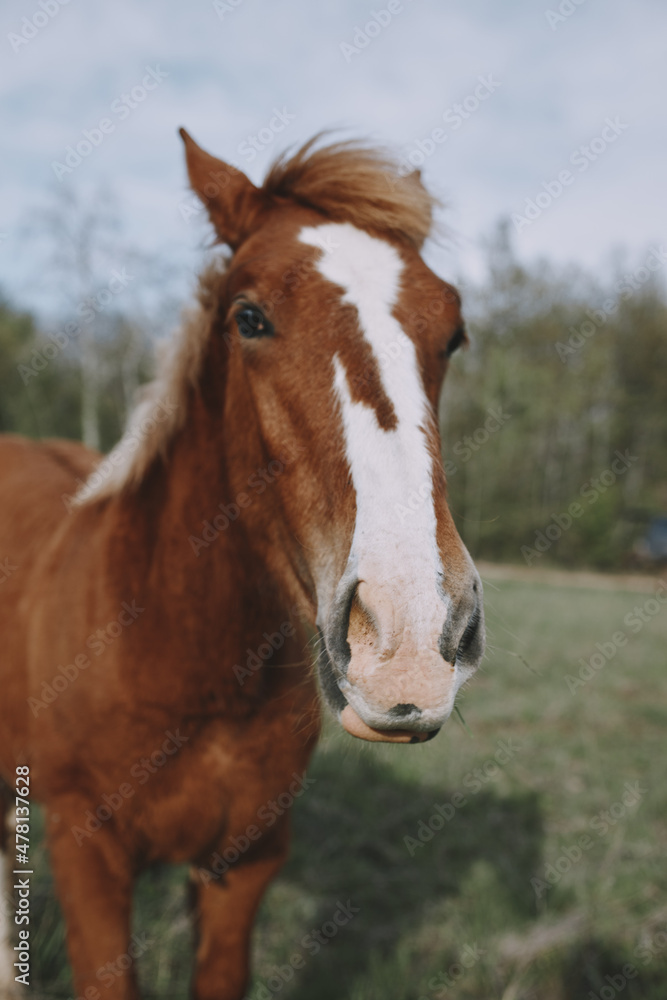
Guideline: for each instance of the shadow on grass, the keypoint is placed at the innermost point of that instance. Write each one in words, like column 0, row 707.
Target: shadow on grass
column 349, row 844
column 598, row 967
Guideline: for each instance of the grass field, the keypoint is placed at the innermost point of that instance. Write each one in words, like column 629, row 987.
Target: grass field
column 543, row 875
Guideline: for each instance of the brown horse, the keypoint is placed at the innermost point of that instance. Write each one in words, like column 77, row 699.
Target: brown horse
column 280, row 479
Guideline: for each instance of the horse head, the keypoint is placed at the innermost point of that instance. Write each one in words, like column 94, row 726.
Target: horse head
column 339, row 337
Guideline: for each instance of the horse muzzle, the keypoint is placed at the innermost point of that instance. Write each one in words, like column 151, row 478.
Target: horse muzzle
column 391, row 672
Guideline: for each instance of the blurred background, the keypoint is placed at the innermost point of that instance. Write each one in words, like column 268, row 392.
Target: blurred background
column 540, row 126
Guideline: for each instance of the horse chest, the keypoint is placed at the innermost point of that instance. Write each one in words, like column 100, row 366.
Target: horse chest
column 219, row 785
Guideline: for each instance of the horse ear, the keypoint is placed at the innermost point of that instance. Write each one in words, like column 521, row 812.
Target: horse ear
column 232, row 201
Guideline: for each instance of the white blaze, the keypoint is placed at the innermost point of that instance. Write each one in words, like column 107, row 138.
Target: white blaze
column 394, row 544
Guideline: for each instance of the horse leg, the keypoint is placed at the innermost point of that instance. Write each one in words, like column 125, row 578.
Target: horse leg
column 226, row 908
column 94, row 879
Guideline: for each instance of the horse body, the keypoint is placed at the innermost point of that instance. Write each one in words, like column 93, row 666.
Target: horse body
column 30, row 472
column 116, row 797
column 155, row 671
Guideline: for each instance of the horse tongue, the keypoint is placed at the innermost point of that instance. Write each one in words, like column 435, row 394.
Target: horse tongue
column 355, row 726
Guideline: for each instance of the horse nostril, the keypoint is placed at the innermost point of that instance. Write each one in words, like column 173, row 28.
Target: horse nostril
column 471, row 633
column 400, row 711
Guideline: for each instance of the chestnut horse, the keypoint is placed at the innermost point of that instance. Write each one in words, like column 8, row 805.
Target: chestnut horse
column 280, row 480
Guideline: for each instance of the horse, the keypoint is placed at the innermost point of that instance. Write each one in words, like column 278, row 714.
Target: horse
column 279, row 487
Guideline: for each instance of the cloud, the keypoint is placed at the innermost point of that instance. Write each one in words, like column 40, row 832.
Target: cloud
column 226, row 74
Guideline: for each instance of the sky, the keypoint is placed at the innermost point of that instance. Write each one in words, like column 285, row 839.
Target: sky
column 548, row 113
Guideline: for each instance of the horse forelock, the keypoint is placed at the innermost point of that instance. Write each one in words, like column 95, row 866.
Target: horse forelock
column 353, row 182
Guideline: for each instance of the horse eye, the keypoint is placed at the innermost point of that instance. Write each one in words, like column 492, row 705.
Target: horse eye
column 252, row 322
column 458, row 338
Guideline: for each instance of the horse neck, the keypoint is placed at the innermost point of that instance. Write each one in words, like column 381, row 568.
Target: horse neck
column 213, row 582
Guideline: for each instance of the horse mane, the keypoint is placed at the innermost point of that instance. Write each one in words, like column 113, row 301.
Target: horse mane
column 344, row 181
column 161, row 406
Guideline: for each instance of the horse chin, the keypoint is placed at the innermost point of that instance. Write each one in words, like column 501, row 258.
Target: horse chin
column 355, row 726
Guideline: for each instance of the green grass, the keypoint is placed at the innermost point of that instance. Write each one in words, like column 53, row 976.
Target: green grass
column 465, row 896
